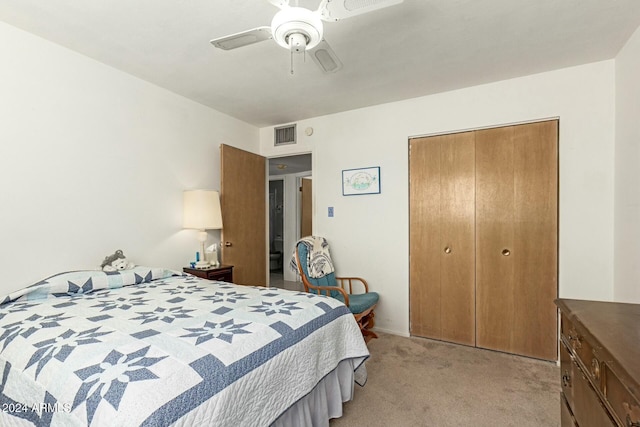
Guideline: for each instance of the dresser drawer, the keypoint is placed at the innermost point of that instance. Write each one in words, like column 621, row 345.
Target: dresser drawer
column 583, row 350
column 587, row 407
column 566, row 417
column 581, row 398
column 624, row 406
column 600, row 363
column 566, row 375
column 223, row 275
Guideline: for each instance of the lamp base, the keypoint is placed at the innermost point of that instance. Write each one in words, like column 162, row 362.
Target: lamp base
column 202, row 265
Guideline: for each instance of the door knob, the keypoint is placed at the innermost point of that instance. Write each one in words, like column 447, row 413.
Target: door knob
column 447, row 250
column 506, row 252
column 227, row 244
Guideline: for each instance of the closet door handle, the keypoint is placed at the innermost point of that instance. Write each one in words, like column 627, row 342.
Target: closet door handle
column 447, row 250
column 506, row 252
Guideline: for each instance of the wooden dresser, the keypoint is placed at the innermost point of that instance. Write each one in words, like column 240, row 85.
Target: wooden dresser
column 599, row 363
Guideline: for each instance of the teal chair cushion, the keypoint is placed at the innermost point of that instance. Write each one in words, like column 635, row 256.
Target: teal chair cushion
column 360, row 302
column 357, row 302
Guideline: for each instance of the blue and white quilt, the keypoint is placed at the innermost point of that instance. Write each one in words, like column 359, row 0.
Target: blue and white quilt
column 153, row 347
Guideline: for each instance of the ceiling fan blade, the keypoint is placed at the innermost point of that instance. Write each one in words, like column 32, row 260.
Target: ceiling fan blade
column 325, row 58
column 279, row 3
column 334, row 10
column 244, row 38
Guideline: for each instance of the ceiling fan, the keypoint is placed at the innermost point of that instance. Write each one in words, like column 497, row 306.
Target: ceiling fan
column 300, row 30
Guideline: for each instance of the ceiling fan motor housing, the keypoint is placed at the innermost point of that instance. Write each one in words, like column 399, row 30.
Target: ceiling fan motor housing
column 291, row 22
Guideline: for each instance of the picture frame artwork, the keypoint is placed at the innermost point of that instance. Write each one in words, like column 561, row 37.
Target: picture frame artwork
column 361, row 181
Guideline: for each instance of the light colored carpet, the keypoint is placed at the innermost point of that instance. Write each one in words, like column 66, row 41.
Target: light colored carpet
column 276, row 280
column 421, row 382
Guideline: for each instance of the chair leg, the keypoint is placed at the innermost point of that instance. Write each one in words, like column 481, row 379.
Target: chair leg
column 368, row 335
column 371, row 322
column 366, row 322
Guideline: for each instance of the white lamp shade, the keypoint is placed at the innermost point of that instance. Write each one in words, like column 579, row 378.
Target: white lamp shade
column 202, row 210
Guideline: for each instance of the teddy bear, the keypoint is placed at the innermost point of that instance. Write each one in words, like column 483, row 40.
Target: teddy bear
column 116, row 261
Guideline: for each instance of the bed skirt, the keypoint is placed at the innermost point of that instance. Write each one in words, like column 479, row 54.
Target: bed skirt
column 324, row 401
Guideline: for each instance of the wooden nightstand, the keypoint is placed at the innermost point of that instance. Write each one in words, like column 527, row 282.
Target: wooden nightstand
column 223, row 273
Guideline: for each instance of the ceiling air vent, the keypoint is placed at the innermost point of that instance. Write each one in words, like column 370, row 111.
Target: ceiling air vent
column 284, row 135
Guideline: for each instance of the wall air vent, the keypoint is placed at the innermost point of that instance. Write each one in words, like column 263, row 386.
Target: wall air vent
column 284, row 135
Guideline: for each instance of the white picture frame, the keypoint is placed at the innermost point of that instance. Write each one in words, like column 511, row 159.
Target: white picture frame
column 361, row 181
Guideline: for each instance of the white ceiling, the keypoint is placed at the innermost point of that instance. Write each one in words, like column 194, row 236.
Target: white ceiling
column 416, row 48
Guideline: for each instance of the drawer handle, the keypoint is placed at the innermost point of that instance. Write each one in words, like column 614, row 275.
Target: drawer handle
column 632, row 423
column 566, row 379
column 629, row 410
column 595, row 369
column 447, row 250
column 575, row 340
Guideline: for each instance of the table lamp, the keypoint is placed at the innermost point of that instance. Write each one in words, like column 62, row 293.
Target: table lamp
column 202, row 212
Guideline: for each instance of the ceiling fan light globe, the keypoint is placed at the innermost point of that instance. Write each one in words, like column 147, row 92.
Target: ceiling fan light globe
column 297, row 20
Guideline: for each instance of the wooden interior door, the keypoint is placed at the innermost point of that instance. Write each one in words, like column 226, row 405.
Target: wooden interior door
column 442, row 258
column 516, row 239
column 306, row 207
column 244, row 215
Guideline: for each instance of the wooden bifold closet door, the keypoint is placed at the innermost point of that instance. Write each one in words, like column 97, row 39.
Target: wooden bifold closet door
column 498, row 189
column 442, row 209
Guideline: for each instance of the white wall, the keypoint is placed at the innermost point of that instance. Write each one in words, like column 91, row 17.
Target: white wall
column 369, row 235
column 93, row 160
column 627, row 173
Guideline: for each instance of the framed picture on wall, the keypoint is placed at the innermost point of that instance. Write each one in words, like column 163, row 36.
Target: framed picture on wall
column 361, row 181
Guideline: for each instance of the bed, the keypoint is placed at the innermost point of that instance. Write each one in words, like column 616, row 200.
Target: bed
column 150, row 346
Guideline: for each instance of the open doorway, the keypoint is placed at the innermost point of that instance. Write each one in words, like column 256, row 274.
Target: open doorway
column 276, row 225
column 285, row 216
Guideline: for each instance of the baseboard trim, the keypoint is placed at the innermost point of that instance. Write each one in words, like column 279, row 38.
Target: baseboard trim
column 392, row 332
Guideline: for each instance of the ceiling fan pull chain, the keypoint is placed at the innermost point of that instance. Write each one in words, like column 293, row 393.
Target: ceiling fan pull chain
column 291, row 53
